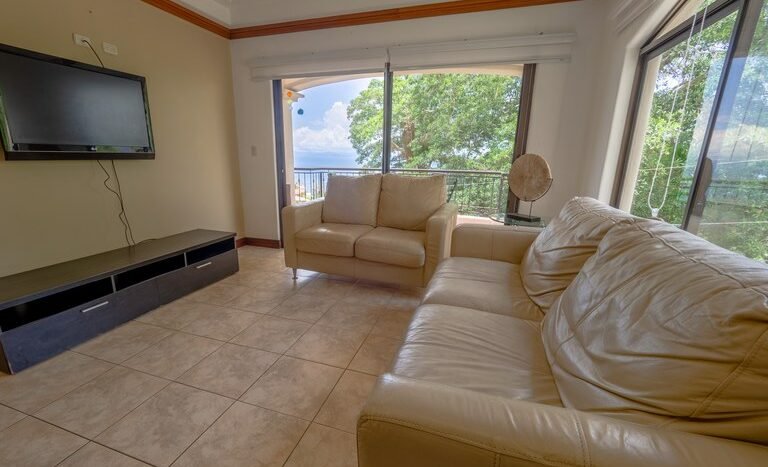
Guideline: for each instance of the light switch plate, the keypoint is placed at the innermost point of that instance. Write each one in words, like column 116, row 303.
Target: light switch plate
column 109, row 48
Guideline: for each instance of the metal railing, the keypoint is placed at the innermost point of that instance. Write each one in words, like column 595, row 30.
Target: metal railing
column 476, row 192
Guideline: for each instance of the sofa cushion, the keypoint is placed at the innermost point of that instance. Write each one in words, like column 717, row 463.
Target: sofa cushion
column 492, row 286
column 392, row 246
column 407, row 202
column 663, row 327
column 559, row 252
column 478, row 351
column 331, row 239
column 352, row 200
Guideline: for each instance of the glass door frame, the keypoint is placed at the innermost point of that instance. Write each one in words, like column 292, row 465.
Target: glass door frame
column 741, row 38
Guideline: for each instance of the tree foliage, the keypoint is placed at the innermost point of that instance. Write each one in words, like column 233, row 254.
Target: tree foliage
column 445, row 121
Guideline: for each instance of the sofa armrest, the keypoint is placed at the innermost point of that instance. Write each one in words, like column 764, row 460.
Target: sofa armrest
column 496, row 242
column 438, row 237
column 407, row 422
column 296, row 218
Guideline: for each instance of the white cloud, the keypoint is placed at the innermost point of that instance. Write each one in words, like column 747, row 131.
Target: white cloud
column 333, row 136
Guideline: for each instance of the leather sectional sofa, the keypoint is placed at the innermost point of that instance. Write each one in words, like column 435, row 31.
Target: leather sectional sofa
column 389, row 228
column 605, row 340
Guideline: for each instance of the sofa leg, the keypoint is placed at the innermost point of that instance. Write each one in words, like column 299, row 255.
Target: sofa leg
column 294, row 274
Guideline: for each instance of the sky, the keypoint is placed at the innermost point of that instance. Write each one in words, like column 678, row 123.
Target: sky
column 321, row 134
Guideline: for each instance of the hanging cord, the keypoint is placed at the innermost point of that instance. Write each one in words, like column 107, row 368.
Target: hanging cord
column 127, row 230
column 655, row 211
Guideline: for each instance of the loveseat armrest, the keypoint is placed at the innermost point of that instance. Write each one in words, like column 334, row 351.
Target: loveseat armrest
column 408, row 422
column 496, row 242
column 438, row 237
column 296, row 218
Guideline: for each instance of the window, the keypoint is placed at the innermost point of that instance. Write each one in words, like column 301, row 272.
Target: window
column 460, row 122
column 698, row 153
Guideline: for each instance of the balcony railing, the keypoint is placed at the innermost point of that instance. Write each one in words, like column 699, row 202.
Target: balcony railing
column 476, row 192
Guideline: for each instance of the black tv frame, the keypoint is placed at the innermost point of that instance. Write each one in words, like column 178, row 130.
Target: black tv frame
column 17, row 152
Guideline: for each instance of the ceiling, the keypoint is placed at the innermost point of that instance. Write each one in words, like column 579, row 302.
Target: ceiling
column 241, row 13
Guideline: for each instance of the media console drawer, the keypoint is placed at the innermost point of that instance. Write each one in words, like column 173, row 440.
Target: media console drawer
column 196, row 276
column 47, row 311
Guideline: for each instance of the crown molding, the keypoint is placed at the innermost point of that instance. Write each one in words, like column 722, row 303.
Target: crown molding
column 627, row 11
column 352, row 19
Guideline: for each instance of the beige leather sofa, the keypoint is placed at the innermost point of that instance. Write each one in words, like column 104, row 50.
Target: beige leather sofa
column 606, row 340
column 388, row 228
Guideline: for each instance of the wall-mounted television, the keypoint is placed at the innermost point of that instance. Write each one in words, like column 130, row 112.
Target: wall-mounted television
column 54, row 108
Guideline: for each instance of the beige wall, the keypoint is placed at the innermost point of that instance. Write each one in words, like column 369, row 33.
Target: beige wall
column 51, row 211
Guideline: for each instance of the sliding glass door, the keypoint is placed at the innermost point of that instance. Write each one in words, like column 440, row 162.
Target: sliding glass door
column 460, row 122
column 696, row 156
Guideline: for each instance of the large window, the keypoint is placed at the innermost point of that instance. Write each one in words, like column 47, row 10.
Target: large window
column 460, row 122
column 698, row 153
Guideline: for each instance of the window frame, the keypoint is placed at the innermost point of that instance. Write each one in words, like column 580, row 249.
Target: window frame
column 654, row 47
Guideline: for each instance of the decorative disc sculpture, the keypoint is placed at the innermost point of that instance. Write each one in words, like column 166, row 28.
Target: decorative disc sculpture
column 530, row 178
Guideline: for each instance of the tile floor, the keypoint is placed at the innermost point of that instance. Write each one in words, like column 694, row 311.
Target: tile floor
column 254, row 370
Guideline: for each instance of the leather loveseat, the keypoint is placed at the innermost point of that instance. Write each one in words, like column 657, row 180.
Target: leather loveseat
column 389, row 228
column 604, row 340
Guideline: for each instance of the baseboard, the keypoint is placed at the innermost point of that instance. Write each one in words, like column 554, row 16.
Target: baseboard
column 262, row 242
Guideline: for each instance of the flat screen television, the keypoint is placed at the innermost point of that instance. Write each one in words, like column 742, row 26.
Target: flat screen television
column 54, row 108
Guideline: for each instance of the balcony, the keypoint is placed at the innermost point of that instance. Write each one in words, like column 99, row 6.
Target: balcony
column 477, row 193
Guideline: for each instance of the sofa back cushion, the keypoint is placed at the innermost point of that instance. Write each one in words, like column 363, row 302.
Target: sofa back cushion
column 562, row 248
column 662, row 327
column 407, row 202
column 352, row 200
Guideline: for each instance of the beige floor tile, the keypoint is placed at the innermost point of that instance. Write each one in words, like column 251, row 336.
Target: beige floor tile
column 272, row 334
column 284, row 281
column 245, row 436
column 33, row 443
column 260, row 300
column 328, row 288
column 393, row 324
column 95, row 455
column 352, row 315
column 174, row 355
column 218, row 294
column 159, row 430
column 346, row 401
column 8, row 417
column 375, row 355
column 221, row 323
column 122, row 343
column 304, row 307
column 95, row 406
column 338, row 277
column 322, row 446
column 230, row 370
column 294, row 387
column 42, row 384
column 176, row 315
column 332, row 346
column 406, row 302
column 369, row 294
column 248, row 276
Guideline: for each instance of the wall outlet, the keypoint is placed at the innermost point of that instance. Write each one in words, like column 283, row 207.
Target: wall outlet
column 109, row 48
column 81, row 40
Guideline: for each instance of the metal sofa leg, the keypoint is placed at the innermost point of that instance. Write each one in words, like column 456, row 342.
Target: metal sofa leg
column 294, row 274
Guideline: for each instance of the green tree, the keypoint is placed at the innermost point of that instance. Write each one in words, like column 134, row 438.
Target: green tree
column 439, row 121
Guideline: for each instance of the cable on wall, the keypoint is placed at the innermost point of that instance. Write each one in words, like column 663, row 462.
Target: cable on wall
column 123, row 216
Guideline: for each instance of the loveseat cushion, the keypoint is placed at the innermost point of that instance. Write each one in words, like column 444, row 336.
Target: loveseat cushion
column 481, row 284
column 352, row 200
column 562, row 248
column 484, row 352
column 331, row 239
column 407, row 202
column 662, row 327
column 392, row 246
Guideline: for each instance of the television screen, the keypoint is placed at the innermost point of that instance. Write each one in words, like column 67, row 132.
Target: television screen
column 53, row 108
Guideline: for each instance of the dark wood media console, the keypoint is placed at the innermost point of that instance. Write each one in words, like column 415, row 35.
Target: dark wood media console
column 46, row 311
